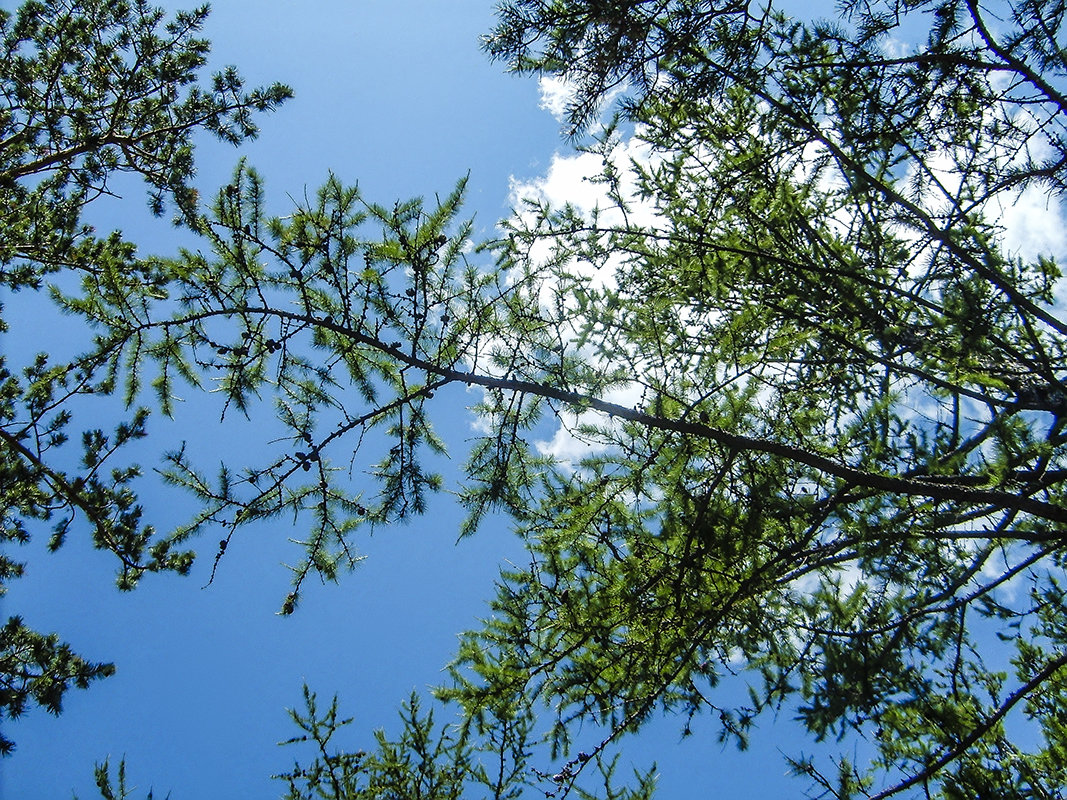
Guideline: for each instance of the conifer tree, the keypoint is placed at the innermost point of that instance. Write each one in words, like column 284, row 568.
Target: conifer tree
column 822, row 399
column 90, row 90
column 843, row 475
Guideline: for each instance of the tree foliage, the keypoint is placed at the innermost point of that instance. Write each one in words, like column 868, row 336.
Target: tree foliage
column 857, row 387
column 90, row 90
column 821, row 399
column 117, row 790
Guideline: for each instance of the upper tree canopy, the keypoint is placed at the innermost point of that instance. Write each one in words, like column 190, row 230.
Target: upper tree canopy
column 89, row 89
column 820, row 390
column 843, row 474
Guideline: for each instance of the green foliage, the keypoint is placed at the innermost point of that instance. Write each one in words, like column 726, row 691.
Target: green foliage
column 351, row 333
column 91, row 90
column 820, row 405
column 854, row 388
column 38, row 669
column 423, row 762
column 487, row 756
column 110, row 791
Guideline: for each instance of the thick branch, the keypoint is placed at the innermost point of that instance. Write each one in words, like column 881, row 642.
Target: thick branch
column 927, row 487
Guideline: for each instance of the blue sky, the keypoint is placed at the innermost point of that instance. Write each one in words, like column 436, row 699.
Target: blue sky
column 397, row 96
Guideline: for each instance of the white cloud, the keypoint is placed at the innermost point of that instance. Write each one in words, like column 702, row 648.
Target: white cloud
column 1034, row 225
column 571, row 179
column 556, row 93
column 568, row 446
column 574, row 180
column 567, row 181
